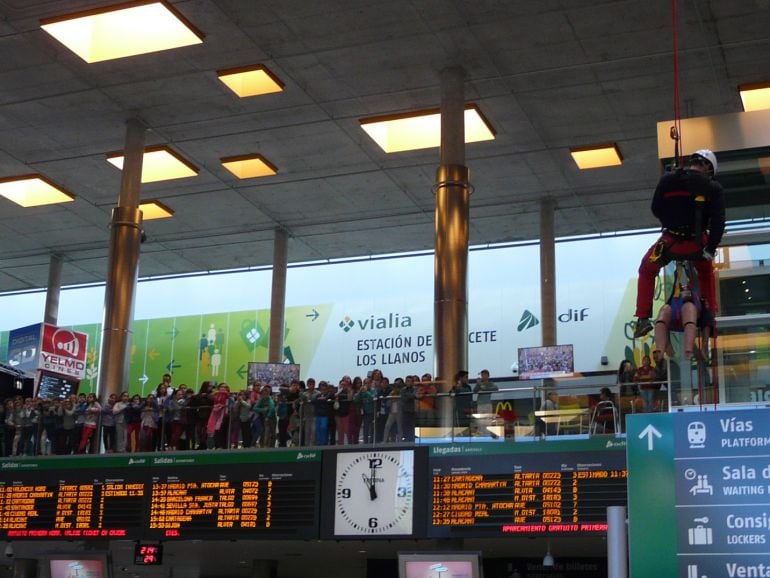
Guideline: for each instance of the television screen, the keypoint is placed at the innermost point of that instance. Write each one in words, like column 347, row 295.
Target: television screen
column 439, row 565
column 273, row 374
column 546, row 362
column 78, row 567
column 52, row 386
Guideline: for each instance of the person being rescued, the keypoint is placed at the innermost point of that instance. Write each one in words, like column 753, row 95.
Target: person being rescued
column 686, row 311
column 690, row 206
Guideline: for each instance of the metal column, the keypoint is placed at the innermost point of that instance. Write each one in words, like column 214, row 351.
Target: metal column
column 617, row 542
column 51, row 314
column 547, row 272
column 278, row 297
column 450, row 306
column 122, row 268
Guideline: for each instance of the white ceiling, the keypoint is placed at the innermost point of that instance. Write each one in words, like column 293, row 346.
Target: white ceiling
column 548, row 75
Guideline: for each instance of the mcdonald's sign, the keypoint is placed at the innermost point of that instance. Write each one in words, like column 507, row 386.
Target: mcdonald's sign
column 504, row 410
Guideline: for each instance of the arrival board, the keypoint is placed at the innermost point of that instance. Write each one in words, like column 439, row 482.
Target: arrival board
column 223, row 495
column 484, row 490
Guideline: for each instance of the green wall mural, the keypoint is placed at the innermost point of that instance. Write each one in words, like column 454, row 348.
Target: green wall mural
column 195, row 348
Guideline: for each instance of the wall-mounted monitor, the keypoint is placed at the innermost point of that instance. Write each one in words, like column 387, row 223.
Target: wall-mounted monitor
column 439, row 565
column 546, row 362
column 53, row 386
column 273, row 374
column 79, row 566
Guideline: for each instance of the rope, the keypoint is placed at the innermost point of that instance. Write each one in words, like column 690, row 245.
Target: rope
column 676, row 130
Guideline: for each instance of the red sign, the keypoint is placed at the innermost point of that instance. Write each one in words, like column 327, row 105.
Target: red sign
column 63, row 351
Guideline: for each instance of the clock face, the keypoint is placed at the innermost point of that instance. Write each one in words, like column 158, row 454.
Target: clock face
column 375, row 493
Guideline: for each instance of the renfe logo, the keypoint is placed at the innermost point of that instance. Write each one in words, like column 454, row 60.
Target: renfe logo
column 63, row 351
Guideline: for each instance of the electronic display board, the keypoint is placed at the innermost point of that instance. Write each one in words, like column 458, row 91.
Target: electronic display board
column 52, row 386
column 560, row 487
column 222, row 495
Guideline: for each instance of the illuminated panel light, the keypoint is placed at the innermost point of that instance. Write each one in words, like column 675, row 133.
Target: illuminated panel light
column 154, row 209
column 250, row 80
column 33, row 191
column 422, row 129
column 595, row 157
column 121, row 30
column 159, row 164
column 249, row 166
column 755, row 96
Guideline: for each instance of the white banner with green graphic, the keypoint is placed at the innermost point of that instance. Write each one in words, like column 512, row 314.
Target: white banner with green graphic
column 349, row 318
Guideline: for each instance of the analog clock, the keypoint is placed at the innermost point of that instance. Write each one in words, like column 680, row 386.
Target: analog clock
column 374, row 493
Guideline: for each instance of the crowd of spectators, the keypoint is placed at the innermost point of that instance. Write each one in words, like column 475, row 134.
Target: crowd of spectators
column 355, row 410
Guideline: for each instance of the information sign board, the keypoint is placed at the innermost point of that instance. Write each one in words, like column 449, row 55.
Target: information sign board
column 227, row 495
column 480, row 490
column 699, row 494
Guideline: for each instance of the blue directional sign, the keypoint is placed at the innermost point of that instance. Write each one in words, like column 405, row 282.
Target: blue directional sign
column 699, row 494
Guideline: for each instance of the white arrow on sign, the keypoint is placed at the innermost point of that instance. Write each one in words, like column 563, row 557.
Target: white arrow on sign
column 144, row 379
column 651, row 433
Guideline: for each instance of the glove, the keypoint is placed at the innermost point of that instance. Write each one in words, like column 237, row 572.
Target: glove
column 707, row 256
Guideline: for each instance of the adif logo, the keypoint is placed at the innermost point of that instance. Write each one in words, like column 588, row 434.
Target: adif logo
column 527, row 321
column 65, row 343
column 347, row 324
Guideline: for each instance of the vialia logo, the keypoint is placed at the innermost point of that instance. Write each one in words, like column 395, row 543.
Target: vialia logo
column 391, row 321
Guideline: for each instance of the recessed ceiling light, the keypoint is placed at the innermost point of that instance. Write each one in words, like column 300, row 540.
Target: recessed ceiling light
column 159, row 163
column 121, row 30
column 422, row 129
column 250, row 80
column 154, row 209
column 597, row 156
column 755, row 96
column 249, row 166
column 33, row 191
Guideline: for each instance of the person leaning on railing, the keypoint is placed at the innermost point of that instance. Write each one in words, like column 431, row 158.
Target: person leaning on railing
column 645, row 377
column 426, row 401
column 365, row 398
column 407, row 408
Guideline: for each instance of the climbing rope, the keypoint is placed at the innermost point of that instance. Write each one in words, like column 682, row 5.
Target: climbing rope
column 676, row 130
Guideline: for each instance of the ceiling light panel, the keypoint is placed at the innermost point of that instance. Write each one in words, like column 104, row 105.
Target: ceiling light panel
column 159, row 164
column 33, row 191
column 422, row 129
column 755, row 96
column 154, row 209
column 122, row 30
column 597, row 156
column 250, row 80
column 249, row 166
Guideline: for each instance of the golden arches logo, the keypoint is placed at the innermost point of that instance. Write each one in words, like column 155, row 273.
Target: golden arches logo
column 503, row 406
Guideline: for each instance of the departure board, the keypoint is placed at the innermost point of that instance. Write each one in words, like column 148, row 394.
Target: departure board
column 480, row 490
column 222, row 495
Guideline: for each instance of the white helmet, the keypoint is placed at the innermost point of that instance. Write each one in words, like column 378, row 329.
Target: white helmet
column 708, row 156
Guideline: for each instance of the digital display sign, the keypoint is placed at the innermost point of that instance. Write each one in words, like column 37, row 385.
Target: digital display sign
column 224, row 495
column 148, row 554
column 480, row 490
column 53, row 386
